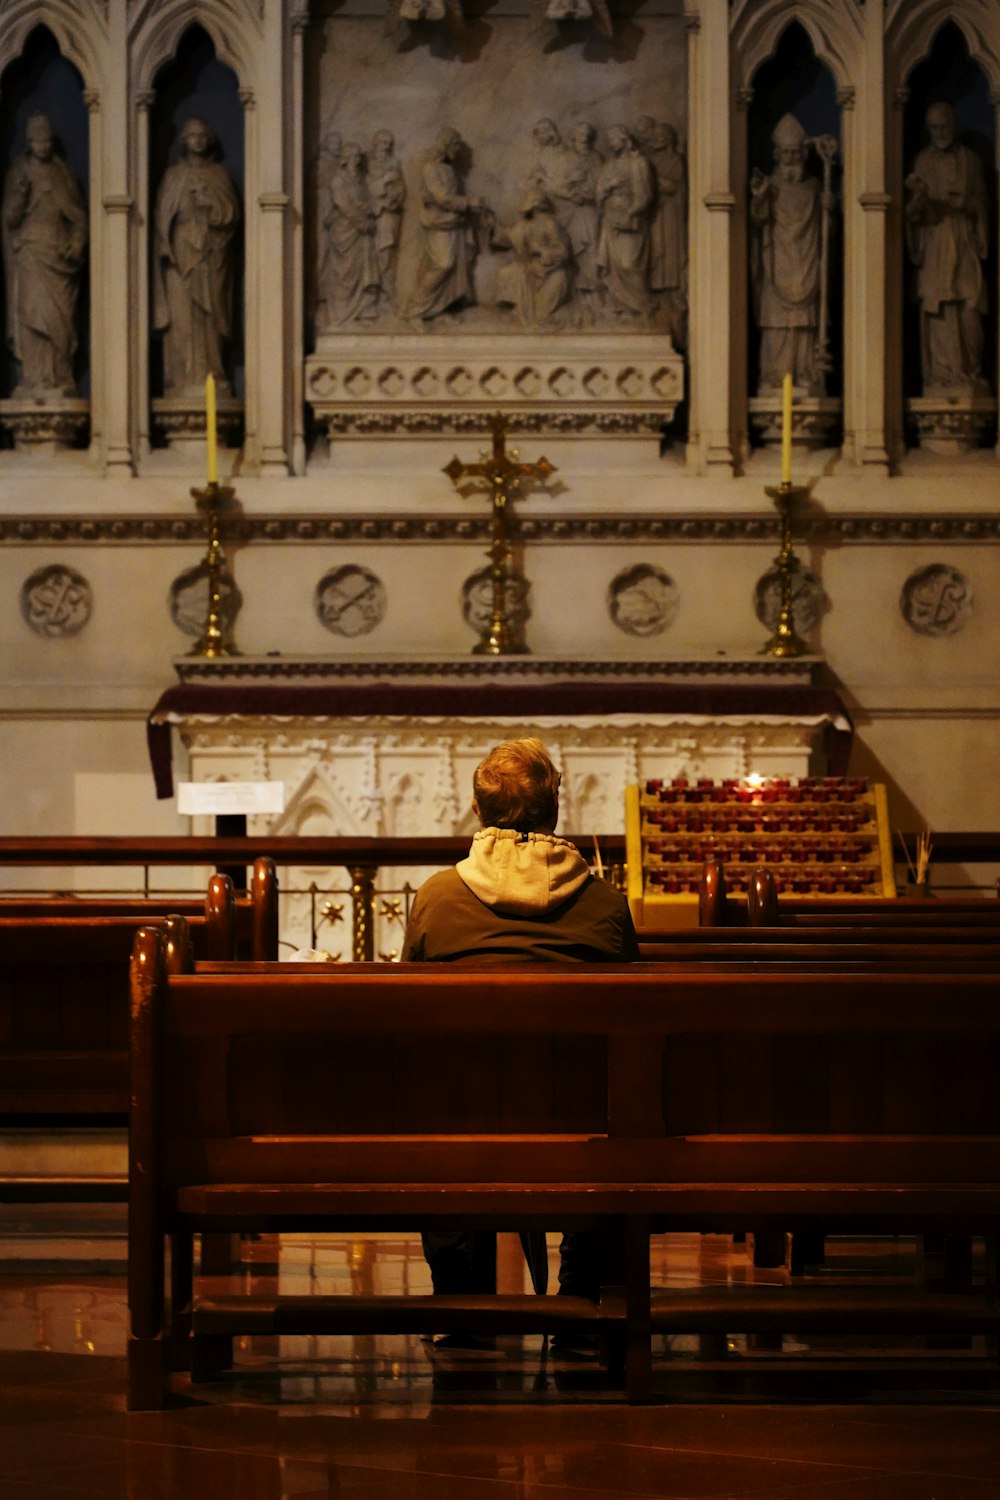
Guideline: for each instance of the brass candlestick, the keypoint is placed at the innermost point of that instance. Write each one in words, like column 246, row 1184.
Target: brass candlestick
column 785, row 641
column 214, row 640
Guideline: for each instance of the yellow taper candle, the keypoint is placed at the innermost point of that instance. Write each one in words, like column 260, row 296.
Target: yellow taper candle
column 213, row 454
column 786, row 430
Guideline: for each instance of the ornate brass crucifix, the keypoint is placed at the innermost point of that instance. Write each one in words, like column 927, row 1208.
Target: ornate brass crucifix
column 503, row 477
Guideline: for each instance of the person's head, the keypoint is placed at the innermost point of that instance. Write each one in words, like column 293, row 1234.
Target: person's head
column 197, row 138
column 351, row 158
column 941, row 125
column 447, row 143
column 41, row 141
column 535, row 202
column 517, row 786
column 664, row 136
column 620, row 139
column 789, row 148
column 382, row 143
column 582, row 137
column 545, row 133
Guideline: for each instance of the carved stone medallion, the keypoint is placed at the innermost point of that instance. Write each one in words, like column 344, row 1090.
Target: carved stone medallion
column 189, row 600
column 808, row 598
column 477, row 599
column 350, row 600
column 56, row 601
column 643, row 600
column 936, row 600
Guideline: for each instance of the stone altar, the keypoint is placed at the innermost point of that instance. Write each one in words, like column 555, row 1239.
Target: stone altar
column 387, row 748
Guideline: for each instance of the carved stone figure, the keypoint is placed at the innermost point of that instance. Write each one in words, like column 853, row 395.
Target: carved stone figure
column 197, row 213
column 44, row 237
column 536, row 282
column 625, row 192
column 550, row 154
column 442, row 276
column 786, row 214
column 668, row 229
column 387, row 193
column 349, row 274
column 422, row 10
column 948, row 238
column 576, row 207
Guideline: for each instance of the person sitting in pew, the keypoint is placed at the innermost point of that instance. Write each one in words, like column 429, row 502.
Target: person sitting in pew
column 521, row 895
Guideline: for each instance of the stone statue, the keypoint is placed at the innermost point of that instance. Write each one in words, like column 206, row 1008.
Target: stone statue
column 625, row 193
column 349, row 273
column 44, row 238
column 197, row 213
column 668, row 229
column 786, row 211
column 576, row 207
column 536, row 282
column 446, row 244
column 550, row 155
column 387, row 193
column 947, row 239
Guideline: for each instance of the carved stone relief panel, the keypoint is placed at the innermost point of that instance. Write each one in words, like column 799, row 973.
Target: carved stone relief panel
column 56, row 601
column 188, row 600
column 808, row 598
column 643, row 600
column 350, row 600
column 936, row 600
column 442, row 204
column 408, row 777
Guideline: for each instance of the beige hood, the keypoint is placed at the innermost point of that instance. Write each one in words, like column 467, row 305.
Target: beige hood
column 523, row 874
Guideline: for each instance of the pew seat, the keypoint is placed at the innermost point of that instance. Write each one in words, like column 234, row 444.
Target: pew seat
column 310, row 1098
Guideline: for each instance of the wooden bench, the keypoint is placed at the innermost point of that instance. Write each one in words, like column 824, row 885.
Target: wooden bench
column 64, row 1014
column 300, row 1099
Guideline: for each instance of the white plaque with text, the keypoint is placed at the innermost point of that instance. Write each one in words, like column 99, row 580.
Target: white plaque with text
column 213, row 797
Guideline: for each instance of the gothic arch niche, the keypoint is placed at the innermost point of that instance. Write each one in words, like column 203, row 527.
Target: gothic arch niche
column 795, row 245
column 45, row 355
column 949, row 261
column 195, row 85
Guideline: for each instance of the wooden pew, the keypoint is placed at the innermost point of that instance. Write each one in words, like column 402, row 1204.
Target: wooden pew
column 64, row 1012
column 297, row 1099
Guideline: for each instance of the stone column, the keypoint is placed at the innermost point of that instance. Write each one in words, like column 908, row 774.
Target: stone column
column 110, row 371
column 296, row 244
column 254, row 294
column 140, row 306
column 712, row 202
column 995, row 101
column 866, row 203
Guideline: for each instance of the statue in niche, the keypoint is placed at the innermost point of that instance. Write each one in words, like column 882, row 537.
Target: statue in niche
column 349, row 278
column 947, row 239
column 668, row 229
column 536, row 282
column 575, row 200
column 787, row 211
column 197, row 213
column 44, row 239
column 625, row 194
column 387, row 192
column 446, row 240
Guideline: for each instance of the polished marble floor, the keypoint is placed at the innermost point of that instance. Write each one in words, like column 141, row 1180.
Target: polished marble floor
column 374, row 1417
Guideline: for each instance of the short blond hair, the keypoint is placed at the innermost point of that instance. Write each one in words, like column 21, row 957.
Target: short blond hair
column 517, row 786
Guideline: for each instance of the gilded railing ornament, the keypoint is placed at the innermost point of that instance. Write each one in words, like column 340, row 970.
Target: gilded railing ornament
column 786, row 641
column 503, row 477
column 216, row 638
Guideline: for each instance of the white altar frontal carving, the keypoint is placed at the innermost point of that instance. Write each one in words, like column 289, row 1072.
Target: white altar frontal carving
column 351, row 766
